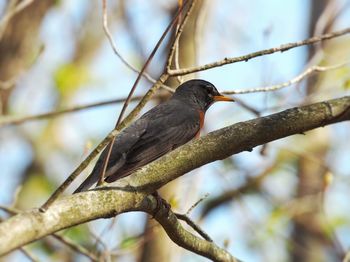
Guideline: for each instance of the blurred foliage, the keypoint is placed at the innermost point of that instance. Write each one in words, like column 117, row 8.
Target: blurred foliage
column 70, row 77
column 36, row 188
column 129, row 242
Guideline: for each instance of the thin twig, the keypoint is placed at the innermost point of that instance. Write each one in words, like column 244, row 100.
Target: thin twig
column 178, row 34
column 247, row 107
column 115, row 49
column 29, row 255
column 15, row 120
column 196, row 203
column 269, row 51
column 297, row 79
column 176, row 44
column 133, row 88
column 194, row 226
column 13, row 211
column 78, row 170
column 21, row 119
column 79, row 249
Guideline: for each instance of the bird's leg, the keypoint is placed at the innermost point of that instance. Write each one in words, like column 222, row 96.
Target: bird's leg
column 160, row 202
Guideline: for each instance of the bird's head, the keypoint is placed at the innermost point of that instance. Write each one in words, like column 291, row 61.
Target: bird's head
column 199, row 93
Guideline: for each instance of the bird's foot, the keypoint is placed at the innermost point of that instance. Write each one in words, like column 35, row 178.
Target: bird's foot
column 160, row 203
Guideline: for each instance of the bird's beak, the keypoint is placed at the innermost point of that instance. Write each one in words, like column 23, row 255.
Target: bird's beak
column 223, row 98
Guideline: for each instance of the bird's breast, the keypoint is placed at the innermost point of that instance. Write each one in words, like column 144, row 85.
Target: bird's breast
column 201, row 122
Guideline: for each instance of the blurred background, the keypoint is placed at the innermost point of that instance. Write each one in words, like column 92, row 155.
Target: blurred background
column 285, row 201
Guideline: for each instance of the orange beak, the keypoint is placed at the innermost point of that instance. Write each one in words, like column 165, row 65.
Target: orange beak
column 223, row 98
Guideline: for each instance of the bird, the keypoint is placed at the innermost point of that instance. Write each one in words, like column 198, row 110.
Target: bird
column 157, row 132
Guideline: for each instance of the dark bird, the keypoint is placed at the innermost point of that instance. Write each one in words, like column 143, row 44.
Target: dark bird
column 160, row 130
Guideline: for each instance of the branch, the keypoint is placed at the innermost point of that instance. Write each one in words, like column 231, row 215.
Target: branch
column 64, row 240
column 309, row 71
column 184, row 238
column 15, row 120
column 25, row 251
column 103, row 202
column 195, row 227
column 269, row 51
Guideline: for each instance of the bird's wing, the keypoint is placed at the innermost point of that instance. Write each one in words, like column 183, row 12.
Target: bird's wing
column 167, row 129
column 123, row 142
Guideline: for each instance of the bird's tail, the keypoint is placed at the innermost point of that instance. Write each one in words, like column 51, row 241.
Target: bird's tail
column 89, row 181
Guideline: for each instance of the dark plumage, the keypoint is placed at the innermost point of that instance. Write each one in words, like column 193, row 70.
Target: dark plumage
column 160, row 130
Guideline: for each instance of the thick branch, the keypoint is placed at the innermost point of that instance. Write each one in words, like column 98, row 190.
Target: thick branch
column 79, row 208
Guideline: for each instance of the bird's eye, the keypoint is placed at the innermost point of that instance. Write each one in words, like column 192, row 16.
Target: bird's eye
column 209, row 88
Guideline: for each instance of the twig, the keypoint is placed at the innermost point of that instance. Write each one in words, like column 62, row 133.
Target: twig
column 178, row 34
column 133, row 88
column 14, row 120
column 176, row 44
column 196, row 203
column 79, row 249
column 247, row 57
column 77, row 171
column 19, row 120
column 247, row 107
column 62, row 239
column 115, row 49
column 297, row 79
column 194, row 226
column 29, row 255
